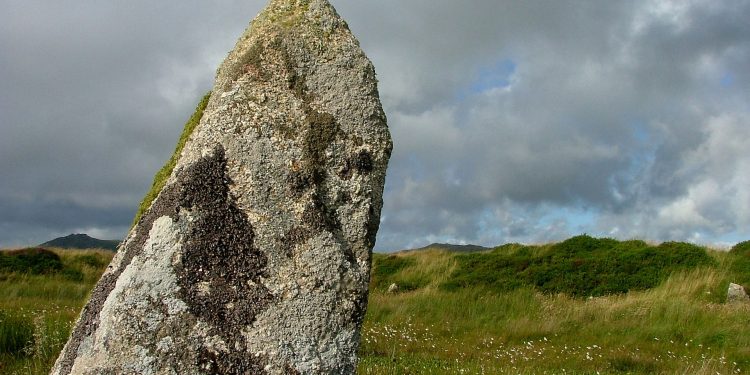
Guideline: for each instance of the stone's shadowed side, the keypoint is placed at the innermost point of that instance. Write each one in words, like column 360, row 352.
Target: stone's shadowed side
column 254, row 256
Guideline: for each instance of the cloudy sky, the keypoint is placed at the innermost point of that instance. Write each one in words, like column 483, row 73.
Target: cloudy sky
column 513, row 121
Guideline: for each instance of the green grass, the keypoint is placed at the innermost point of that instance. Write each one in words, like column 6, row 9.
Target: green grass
column 160, row 179
column 679, row 326
column 37, row 310
column 16, row 334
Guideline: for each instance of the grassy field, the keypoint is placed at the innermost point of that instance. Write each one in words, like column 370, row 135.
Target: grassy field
column 681, row 326
column 37, row 309
column 436, row 325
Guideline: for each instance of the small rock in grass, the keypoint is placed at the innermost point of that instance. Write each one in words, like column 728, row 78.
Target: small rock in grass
column 736, row 294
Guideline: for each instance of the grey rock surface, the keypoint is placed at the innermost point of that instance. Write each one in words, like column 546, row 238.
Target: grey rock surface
column 736, row 294
column 393, row 288
column 255, row 256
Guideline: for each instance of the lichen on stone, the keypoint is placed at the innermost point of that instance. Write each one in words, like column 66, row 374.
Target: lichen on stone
column 221, row 269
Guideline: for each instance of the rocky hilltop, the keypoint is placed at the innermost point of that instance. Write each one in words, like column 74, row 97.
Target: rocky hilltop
column 254, row 257
column 81, row 241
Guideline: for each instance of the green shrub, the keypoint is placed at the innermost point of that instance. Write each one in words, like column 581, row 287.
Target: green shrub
column 16, row 334
column 509, row 248
column 740, row 267
column 34, row 261
column 742, row 248
column 496, row 270
column 579, row 266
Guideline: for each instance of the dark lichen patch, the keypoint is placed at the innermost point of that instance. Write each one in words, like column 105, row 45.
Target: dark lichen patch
column 232, row 363
column 253, row 60
column 318, row 216
column 363, row 162
column 321, row 132
column 308, row 177
column 360, row 162
column 321, row 128
column 290, row 370
column 298, row 234
column 295, row 81
column 221, row 270
column 299, row 182
column 343, row 198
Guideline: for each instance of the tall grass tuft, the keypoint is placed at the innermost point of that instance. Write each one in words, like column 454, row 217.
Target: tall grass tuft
column 16, row 334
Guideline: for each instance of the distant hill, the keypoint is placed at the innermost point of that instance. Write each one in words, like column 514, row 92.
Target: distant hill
column 453, row 248
column 81, row 241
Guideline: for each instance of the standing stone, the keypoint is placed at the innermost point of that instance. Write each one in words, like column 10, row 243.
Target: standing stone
column 736, row 294
column 254, row 258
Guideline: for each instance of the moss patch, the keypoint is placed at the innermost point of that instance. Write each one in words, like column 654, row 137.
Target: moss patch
column 287, row 18
column 161, row 177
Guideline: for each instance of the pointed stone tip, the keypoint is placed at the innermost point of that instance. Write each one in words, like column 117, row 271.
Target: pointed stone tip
column 318, row 16
column 277, row 10
column 311, row 28
column 288, row 4
column 294, row 3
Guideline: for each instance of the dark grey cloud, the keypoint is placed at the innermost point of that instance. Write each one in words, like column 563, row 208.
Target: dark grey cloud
column 512, row 121
column 93, row 97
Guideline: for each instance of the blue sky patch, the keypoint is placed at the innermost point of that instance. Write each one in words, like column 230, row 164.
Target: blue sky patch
column 495, row 76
